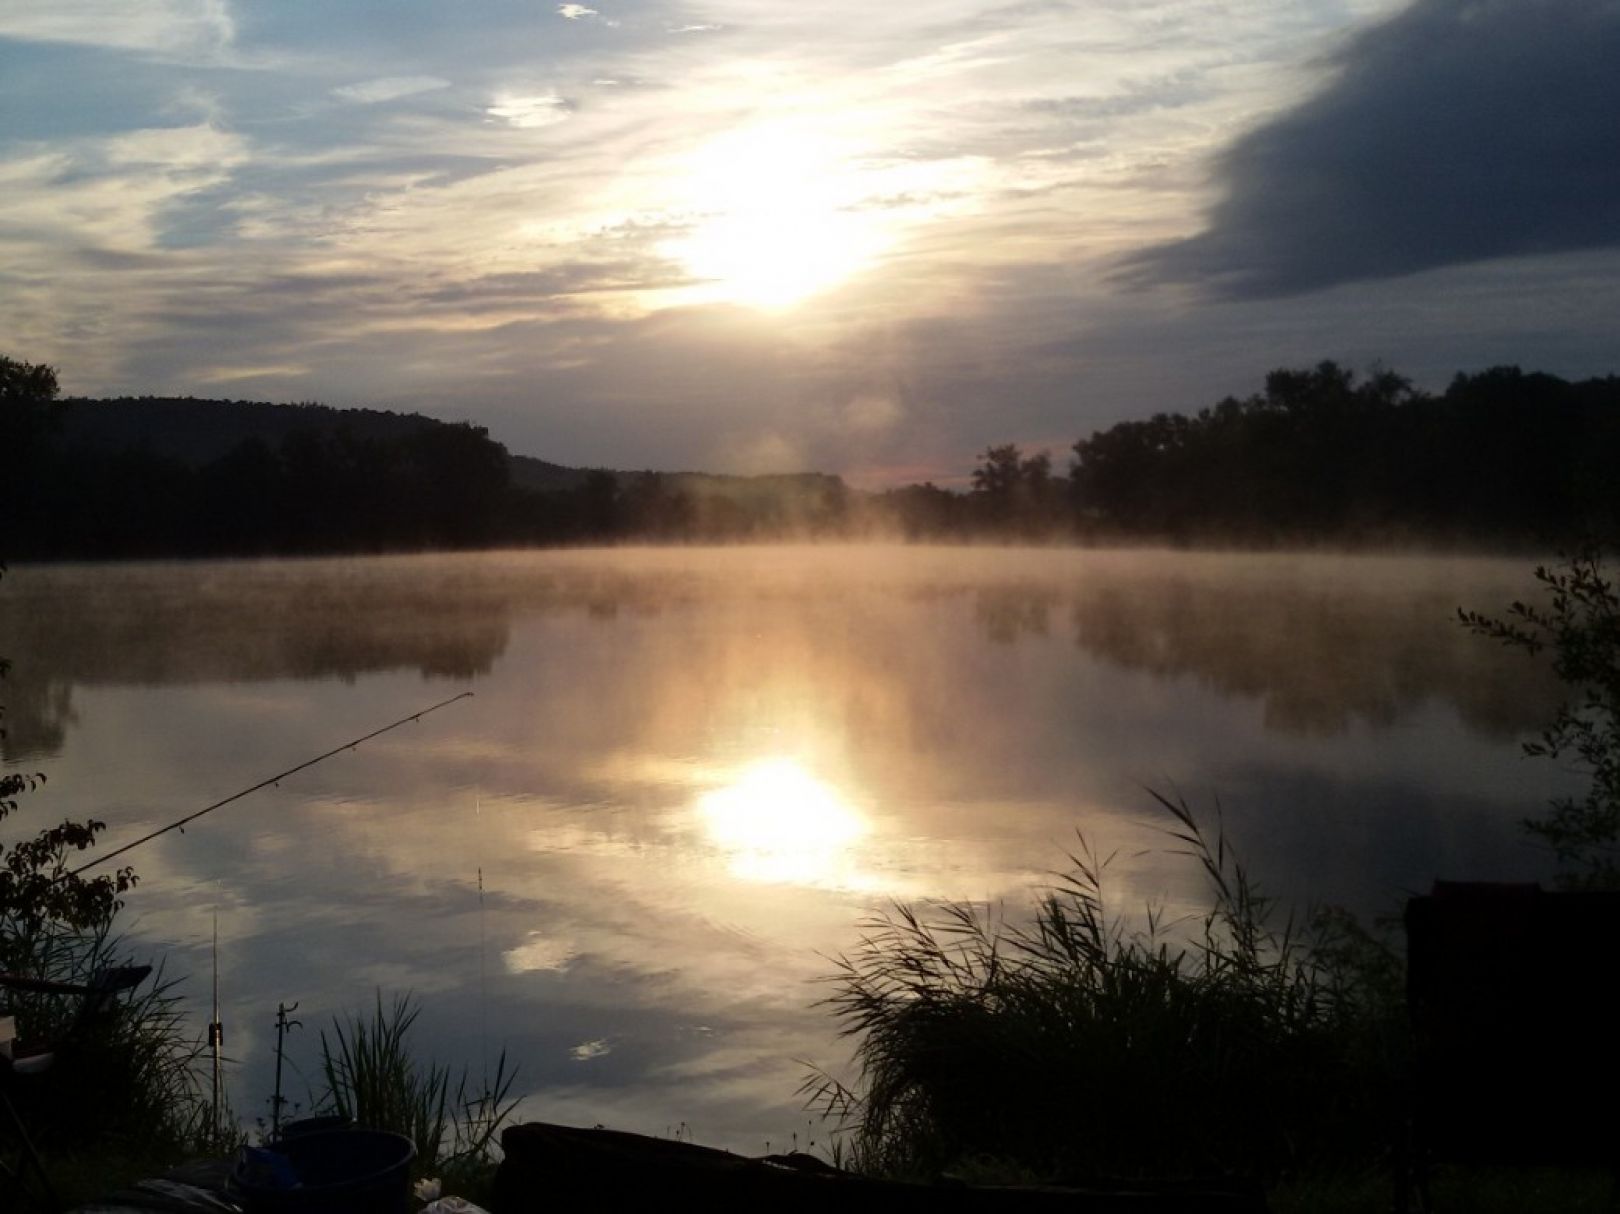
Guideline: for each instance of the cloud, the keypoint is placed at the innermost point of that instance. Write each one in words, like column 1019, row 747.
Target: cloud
column 528, row 112
column 539, row 952
column 110, row 195
column 1458, row 131
column 578, row 12
column 871, row 412
column 168, row 27
column 389, row 88
column 231, row 375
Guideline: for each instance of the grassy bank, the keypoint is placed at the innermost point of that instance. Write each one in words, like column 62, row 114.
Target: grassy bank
column 1085, row 1043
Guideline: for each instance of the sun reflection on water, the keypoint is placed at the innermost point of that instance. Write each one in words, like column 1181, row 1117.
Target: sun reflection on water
column 781, row 825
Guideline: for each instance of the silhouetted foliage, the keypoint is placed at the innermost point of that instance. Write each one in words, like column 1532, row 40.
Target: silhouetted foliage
column 1078, row 1044
column 36, row 886
column 342, row 482
column 1013, row 493
column 922, row 512
column 180, row 477
column 1502, row 455
column 1580, row 622
column 28, row 405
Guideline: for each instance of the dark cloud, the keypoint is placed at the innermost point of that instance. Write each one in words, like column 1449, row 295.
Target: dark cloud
column 1458, row 131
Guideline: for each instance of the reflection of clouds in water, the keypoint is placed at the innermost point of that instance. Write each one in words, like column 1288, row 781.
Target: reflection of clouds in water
column 539, row 953
column 680, row 810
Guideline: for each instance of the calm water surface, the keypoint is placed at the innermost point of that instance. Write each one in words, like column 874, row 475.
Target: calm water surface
column 687, row 775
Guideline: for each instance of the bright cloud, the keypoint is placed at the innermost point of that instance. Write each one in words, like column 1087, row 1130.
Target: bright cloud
column 530, row 111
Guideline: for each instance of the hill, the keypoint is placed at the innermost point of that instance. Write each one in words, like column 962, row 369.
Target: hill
column 181, row 476
column 543, row 476
column 197, row 431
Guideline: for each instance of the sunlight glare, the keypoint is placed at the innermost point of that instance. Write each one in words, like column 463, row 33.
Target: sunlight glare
column 782, row 825
column 780, row 218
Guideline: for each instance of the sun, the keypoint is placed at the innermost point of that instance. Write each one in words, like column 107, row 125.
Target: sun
column 781, row 824
column 776, row 216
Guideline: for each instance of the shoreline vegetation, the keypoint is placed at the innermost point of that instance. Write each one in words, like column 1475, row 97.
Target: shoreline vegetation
column 1086, row 1042
column 1503, row 460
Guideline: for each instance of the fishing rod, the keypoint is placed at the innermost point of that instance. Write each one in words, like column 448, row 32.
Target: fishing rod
column 180, row 823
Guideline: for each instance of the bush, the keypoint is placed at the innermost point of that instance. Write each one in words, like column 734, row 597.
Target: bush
column 1580, row 622
column 1077, row 1047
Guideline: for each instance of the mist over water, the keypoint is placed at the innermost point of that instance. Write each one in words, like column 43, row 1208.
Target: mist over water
column 687, row 774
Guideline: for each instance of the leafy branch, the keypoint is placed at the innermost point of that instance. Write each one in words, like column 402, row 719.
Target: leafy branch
column 1580, row 625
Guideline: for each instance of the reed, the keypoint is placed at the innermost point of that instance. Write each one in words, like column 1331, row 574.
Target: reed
column 134, row 1079
column 373, row 1079
column 1081, row 1044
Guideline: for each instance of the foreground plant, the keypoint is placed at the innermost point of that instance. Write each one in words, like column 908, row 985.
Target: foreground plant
column 1580, row 623
column 1077, row 1045
column 373, row 1079
column 130, row 1082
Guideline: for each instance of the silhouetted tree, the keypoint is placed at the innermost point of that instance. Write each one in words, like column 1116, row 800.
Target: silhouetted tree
column 36, row 886
column 1013, row 493
column 997, row 475
column 922, row 511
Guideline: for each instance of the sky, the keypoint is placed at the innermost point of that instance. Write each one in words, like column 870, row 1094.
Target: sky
column 755, row 236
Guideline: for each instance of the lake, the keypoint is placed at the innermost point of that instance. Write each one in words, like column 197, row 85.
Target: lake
column 686, row 776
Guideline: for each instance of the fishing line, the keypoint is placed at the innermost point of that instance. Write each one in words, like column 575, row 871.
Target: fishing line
column 180, row 823
column 483, row 978
column 216, row 1031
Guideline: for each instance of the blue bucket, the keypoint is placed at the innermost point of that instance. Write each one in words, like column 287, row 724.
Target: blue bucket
column 336, row 1171
column 314, row 1125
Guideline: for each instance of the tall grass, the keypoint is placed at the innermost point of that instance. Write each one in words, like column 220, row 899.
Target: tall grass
column 130, row 1080
column 1082, row 1044
column 373, row 1079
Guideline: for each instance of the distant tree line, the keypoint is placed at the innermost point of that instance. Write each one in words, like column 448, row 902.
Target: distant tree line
column 159, row 477
column 1320, row 455
column 1499, row 455
column 313, row 491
